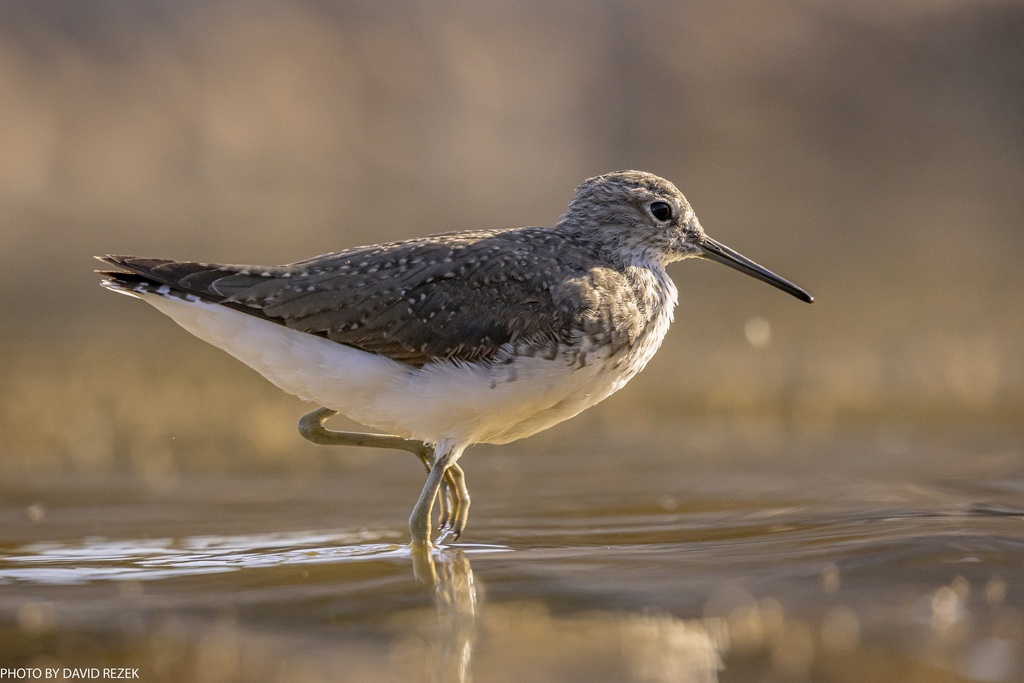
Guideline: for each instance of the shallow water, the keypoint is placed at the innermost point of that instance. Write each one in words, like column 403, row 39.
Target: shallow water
column 865, row 556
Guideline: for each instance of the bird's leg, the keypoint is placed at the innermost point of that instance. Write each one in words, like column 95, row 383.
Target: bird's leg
column 445, row 455
column 453, row 523
column 452, row 491
column 311, row 426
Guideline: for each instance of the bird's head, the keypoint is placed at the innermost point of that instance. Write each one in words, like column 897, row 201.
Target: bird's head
column 639, row 218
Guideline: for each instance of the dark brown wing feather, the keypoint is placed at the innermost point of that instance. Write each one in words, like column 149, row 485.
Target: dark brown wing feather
column 458, row 296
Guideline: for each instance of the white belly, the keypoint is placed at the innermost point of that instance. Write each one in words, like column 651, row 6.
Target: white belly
column 468, row 403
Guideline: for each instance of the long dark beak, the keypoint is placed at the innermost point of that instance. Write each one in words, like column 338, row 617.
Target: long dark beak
column 716, row 251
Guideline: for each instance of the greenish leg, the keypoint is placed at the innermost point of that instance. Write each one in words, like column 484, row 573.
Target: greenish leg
column 451, row 487
column 445, row 455
column 453, row 524
column 311, row 426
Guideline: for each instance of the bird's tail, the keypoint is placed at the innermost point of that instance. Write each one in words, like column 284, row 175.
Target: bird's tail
column 164, row 277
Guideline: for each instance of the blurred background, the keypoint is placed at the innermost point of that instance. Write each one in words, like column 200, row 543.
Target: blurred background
column 787, row 493
column 872, row 152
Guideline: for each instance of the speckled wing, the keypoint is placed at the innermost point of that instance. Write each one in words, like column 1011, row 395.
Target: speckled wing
column 458, row 296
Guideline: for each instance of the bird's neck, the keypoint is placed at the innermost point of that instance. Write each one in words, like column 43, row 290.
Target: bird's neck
column 654, row 288
column 618, row 247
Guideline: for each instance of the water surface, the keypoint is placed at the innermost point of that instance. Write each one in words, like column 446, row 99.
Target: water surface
column 826, row 558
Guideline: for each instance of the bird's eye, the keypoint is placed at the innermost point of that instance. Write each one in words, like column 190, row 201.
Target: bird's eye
column 661, row 210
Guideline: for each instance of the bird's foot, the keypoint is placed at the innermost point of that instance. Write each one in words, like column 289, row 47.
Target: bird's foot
column 448, row 534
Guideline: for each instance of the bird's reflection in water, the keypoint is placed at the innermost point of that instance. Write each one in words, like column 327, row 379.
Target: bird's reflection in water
column 448, row 574
column 647, row 647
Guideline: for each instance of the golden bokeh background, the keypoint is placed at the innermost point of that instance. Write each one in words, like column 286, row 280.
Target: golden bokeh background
column 872, row 152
